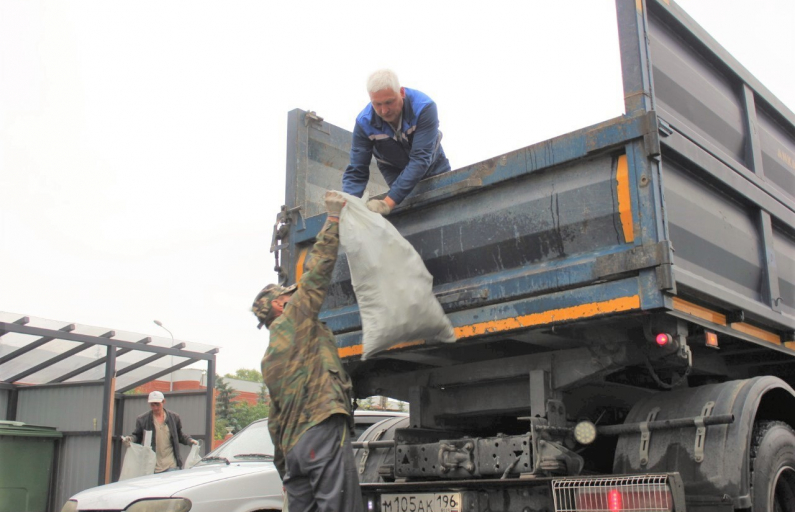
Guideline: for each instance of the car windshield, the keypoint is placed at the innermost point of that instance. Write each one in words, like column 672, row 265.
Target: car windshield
column 253, row 443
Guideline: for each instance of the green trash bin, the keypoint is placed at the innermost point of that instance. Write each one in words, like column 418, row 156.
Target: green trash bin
column 27, row 453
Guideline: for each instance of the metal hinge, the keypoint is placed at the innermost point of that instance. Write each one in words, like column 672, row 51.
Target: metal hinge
column 281, row 230
column 651, row 139
column 311, row 119
column 666, row 280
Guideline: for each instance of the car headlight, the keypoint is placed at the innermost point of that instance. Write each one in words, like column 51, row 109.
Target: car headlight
column 160, row 505
column 69, row 506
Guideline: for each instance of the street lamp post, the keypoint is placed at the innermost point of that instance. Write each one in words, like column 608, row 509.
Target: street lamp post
column 170, row 375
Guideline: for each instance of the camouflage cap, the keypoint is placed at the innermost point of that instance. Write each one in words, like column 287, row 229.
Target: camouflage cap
column 262, row 302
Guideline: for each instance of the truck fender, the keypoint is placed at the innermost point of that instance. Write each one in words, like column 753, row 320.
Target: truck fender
column 719, row 469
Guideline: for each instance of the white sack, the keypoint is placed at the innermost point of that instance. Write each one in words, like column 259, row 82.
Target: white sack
column 138, row 461
column 193, row 458
column 392, row 285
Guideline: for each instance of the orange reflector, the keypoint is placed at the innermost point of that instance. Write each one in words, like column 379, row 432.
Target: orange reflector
column 711, row 339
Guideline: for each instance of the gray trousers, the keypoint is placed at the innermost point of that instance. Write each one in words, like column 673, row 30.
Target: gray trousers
column 320, row 473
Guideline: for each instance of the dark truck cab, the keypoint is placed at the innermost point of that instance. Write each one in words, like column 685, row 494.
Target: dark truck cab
column 623, row 298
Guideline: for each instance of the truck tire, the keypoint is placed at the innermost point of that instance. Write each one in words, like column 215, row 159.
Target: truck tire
column 773, row 467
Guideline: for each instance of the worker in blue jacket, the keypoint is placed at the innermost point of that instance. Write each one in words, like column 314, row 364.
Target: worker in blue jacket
column 400, row 128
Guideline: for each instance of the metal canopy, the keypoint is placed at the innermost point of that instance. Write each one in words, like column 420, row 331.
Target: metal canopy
column 42, row 353
column 36, row 351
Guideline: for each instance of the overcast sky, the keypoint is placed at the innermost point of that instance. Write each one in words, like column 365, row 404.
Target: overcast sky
column 142, row 144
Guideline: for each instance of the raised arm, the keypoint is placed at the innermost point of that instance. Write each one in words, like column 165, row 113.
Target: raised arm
column 313, row 285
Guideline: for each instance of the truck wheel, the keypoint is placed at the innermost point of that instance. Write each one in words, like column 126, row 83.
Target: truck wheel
column 773, row 467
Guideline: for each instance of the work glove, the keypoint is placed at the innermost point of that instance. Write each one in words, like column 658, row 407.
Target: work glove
column 127, row 440
column 334, row 203
column 379, row 206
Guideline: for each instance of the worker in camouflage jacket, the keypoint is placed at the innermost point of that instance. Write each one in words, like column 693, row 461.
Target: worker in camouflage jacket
column 310, row 418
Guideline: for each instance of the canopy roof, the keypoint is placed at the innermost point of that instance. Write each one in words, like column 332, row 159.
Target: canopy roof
column 39, row 351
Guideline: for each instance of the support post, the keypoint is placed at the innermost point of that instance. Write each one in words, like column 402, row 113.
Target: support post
column 108, row 402
column 753, row 159
column 118, row 431
column 210, row 406
column 635, row 65
column 11, row 407
column 539, row 393
column 418, row 407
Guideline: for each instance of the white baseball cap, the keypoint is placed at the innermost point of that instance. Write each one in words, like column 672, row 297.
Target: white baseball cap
column 156, row 397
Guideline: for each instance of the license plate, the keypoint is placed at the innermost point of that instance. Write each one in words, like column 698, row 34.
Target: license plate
column 422, row 502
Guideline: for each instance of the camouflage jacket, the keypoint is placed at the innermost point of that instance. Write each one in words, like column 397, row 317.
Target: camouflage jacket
column 301, row 367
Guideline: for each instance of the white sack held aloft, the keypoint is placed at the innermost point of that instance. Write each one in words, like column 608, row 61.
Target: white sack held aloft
column 393, row 288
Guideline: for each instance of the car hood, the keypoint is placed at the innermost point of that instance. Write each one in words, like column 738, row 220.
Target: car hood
column 173, row 483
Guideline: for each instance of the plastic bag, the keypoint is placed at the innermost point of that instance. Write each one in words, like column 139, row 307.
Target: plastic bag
column 193, row 458
column 392, row 286
column 138, row 461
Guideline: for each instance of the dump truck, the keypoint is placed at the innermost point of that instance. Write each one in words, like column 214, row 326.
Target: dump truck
column 623, row 298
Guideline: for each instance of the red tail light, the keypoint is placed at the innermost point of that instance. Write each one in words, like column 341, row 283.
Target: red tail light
column 614, row 500
column 663, row 339
column 626, row 493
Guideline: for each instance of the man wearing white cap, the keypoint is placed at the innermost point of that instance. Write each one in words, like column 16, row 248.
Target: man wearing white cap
column 166, row 428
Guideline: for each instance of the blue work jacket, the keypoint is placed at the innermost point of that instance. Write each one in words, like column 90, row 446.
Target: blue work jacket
column 416, row 154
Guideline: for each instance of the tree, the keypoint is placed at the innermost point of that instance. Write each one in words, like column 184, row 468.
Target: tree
column 223, row 400
column 246, row 374
column 244, row 414
column 263, row 397
column 366, row 403
column 220, row 428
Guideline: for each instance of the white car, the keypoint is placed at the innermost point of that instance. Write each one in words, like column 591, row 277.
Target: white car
column 239, row 476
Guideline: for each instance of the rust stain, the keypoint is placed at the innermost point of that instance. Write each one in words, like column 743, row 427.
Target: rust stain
column 485, row 168
column 624, row 203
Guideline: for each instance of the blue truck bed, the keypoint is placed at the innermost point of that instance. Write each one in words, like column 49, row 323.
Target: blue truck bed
column 682, row 207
